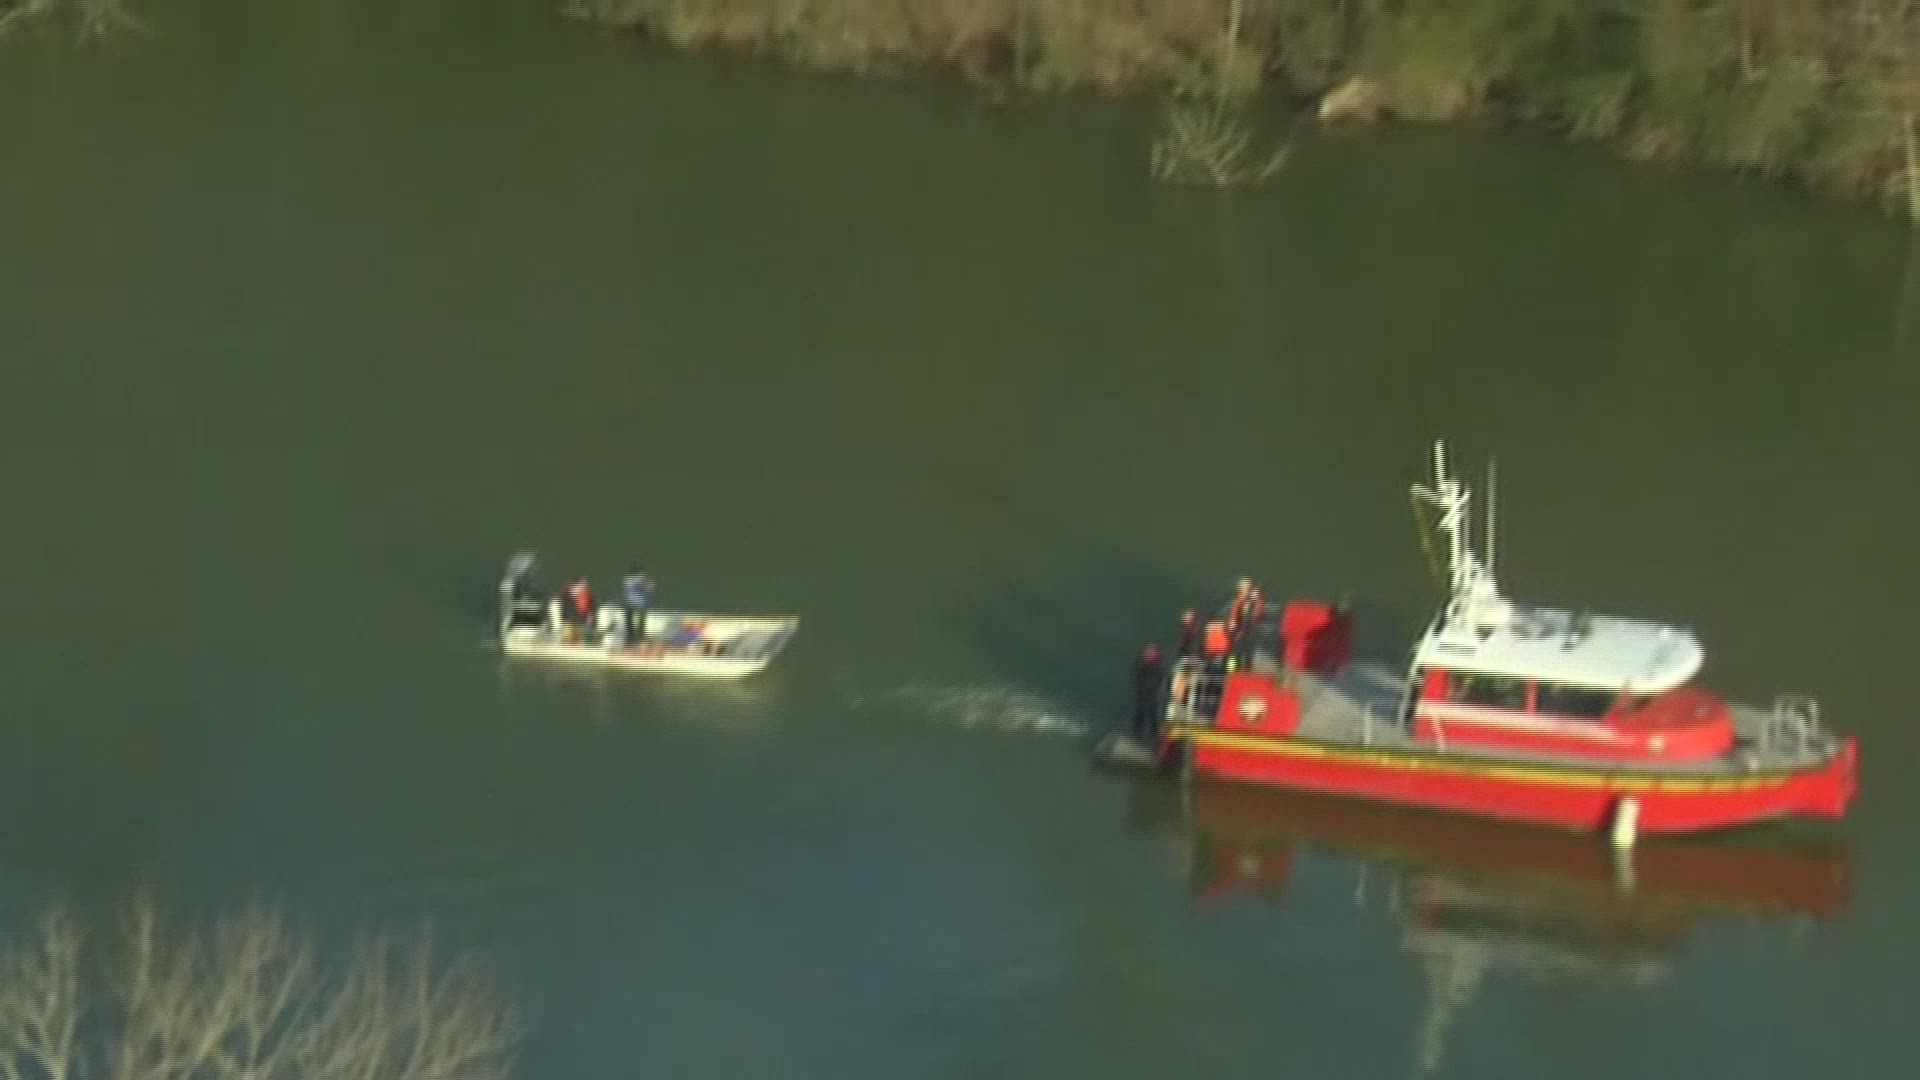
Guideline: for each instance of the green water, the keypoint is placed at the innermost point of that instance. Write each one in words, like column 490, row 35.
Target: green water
column 314, row 311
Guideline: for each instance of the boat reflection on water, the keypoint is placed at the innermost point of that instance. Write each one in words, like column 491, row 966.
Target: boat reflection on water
column 1476, row 897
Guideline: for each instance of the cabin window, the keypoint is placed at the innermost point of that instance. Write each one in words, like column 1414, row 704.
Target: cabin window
column 1491, row 691
column 1577, row 701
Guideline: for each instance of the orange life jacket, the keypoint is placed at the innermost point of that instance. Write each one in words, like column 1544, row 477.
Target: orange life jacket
column 1216, row 638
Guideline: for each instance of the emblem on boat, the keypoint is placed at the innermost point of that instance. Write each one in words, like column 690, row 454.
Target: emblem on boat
column 1253, row 709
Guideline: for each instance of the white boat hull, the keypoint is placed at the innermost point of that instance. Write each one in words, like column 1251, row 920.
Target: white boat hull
column 729, row 647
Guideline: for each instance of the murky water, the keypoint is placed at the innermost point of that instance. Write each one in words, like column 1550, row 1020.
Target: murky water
column 314, row 311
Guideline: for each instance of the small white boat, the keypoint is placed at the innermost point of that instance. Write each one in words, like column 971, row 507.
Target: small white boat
column 535, row 623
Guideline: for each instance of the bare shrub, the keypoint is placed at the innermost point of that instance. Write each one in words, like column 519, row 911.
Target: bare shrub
column 249, row 1000
column 1207, row 138
column 91, row 20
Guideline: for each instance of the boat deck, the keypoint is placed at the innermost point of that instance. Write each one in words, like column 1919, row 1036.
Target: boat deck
column 1360, row 707
column 633, row 635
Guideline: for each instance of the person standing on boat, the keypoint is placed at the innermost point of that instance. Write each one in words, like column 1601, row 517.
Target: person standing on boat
column 580, row 604
column 1217, row 645
column 1241, row 606
column 1189, row 632
column 1253, row 609
column 639, row 593
column 1146, row 696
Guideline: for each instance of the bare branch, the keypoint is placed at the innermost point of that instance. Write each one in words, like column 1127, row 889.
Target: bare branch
column 92, row 20
column 249, row 1000
column 40, row 1003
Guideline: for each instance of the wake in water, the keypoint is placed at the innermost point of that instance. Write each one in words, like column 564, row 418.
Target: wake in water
column 1002, row 709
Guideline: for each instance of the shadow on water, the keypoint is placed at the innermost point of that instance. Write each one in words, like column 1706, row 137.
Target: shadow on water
column 1070, row 625
column 1058, row 605
column 1064, row 591
column 1070, row 629
column 1475, row 902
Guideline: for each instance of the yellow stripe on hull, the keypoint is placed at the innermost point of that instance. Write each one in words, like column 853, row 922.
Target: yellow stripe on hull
column 1453, row 765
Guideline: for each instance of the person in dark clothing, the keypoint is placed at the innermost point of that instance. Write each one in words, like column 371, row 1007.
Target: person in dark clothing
column 1189, row 632
column 1238, row 608
column 1146, row 696
column 638, row 589
column 1253, row 615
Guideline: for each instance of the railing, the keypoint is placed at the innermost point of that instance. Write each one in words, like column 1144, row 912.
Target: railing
column 1193, row 695
column 1794, row 725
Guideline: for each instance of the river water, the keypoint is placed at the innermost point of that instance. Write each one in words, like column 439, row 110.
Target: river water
column 314, row 311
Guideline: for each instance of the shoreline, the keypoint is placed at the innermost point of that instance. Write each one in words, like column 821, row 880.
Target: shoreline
column 1824, row 96
column 1819, row 95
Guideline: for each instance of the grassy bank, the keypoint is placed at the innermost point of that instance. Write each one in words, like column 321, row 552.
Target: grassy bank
column 1825, row 92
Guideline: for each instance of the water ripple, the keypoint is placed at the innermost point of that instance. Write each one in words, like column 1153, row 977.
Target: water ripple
column 984, row 707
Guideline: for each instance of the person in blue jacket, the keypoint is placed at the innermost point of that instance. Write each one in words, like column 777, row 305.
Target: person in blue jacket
column 638, row 593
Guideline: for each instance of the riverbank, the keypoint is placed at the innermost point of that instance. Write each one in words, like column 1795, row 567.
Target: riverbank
column 1825, row 93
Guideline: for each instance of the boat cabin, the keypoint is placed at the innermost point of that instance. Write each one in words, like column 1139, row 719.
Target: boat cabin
column 1493, row 674
column 1555, row 682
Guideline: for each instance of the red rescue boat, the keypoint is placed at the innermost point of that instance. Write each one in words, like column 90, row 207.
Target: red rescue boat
column 1529, row 714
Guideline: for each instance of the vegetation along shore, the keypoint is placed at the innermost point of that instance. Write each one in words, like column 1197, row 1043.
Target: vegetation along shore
column 1825, row 93
column 1822, row 92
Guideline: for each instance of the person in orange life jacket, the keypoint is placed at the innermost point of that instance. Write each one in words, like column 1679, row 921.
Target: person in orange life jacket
column 1146, row 695
column 580, row 602
column 1189, row 632
column 1216, row 644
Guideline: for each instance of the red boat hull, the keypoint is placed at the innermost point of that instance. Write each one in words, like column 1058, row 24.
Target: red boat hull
column 1563, row 796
